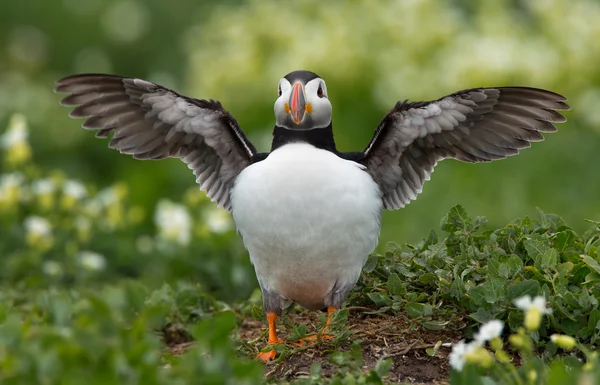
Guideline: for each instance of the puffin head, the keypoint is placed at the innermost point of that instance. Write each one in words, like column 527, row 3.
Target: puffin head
column 302, row 102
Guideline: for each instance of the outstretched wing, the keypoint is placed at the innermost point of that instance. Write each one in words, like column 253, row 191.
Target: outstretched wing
column 475, row 125
column 153, row 122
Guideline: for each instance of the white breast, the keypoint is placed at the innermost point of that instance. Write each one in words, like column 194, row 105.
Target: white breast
column 308, row 218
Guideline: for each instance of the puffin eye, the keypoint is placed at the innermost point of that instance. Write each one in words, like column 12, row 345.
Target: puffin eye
column 279, row 90
column 320, row 92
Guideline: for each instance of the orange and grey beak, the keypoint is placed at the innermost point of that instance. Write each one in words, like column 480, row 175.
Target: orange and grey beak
column 297, row 103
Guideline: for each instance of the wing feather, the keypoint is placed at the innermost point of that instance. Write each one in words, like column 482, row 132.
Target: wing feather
column 149, row 121
column 475, row 125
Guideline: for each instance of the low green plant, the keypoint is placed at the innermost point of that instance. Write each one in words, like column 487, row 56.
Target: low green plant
column 475, row 274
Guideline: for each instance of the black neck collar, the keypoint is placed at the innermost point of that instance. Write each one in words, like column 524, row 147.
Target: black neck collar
column 319, row 137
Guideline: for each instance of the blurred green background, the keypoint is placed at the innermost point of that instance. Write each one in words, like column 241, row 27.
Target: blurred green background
column 371, row 55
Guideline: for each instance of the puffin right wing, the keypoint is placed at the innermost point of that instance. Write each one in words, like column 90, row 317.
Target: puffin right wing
column 152, row 122
column 474, row 125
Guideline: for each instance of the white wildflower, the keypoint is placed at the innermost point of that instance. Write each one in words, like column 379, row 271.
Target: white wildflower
column 107, row 196
column 43, row 186
column 91, row 260
column 15, row 142
column 489, row 331
column 13, row 180
column 459, row 353
column 52, row 268
column 16, row 133
column 38, row 232
column 38, row 226
column 218, row 220
column 527, row 303
column 84, row 228
column 534, row 310
column 74, row 189
column 173, row 221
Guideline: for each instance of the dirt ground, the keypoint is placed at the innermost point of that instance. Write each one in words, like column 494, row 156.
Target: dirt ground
column 382, row 335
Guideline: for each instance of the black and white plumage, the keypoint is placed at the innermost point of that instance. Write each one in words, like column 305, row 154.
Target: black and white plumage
column 475, row 125
column 152, row 122
column 308, row 214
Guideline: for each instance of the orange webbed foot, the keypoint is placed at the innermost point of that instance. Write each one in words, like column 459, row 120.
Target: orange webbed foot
column 270, row 355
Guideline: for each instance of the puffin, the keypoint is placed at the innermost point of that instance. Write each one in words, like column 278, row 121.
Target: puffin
column 308, row 214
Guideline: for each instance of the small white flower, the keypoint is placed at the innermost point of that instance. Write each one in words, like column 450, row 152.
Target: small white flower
column 489, row 331
column 12, row 180
column 91, row 260
column 38, row 226
column 107, row 196
column 16, row 133
column 43, row 186
column 526, row 303
column 459, row 353
column 218, row 220
column 173, row 221
column 74, row 189
column 52, row 268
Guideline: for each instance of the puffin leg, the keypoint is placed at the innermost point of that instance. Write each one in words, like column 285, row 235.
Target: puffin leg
column 273, row 339
column 312, row 338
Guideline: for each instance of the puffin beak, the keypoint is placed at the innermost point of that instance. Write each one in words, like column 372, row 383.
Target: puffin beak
column 297, row 103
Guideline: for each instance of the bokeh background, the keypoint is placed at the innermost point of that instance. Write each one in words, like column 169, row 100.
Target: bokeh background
column 371, row 55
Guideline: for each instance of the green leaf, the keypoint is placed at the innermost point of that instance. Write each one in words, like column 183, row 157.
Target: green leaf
column 431, row 352
column 456, row 219
column 432, row 239
column 591, row 263
column 564, row 240
column 482, row 315
column 315, row 371
column 477, row 295
column 548, row 260
column 564, row 269
column 494, row 267
column 371, row 263
column 380, row 299
column 415, row 309
column 258, row 313
column 534, row 248
column 428, row 278
column 395, row 285
column 515, row 265
column 383, row 367
column 544, row 222
column 494, row 289
column 435, row 325
column 520, row 289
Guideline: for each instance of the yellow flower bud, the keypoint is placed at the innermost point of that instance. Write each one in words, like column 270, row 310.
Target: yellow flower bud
column 480, row 356
column 67, row 202
column 533, row 318
column 46, row 201
column 517, row 341
column 563, row 341
column 496, row 344
column 502, row 356
column 18, row 154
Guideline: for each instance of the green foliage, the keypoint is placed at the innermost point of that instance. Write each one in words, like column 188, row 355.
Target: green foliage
column 476, row 274
column 107, row 337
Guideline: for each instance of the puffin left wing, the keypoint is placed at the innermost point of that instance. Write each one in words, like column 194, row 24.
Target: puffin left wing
column 152, row 122
column 474, row 125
